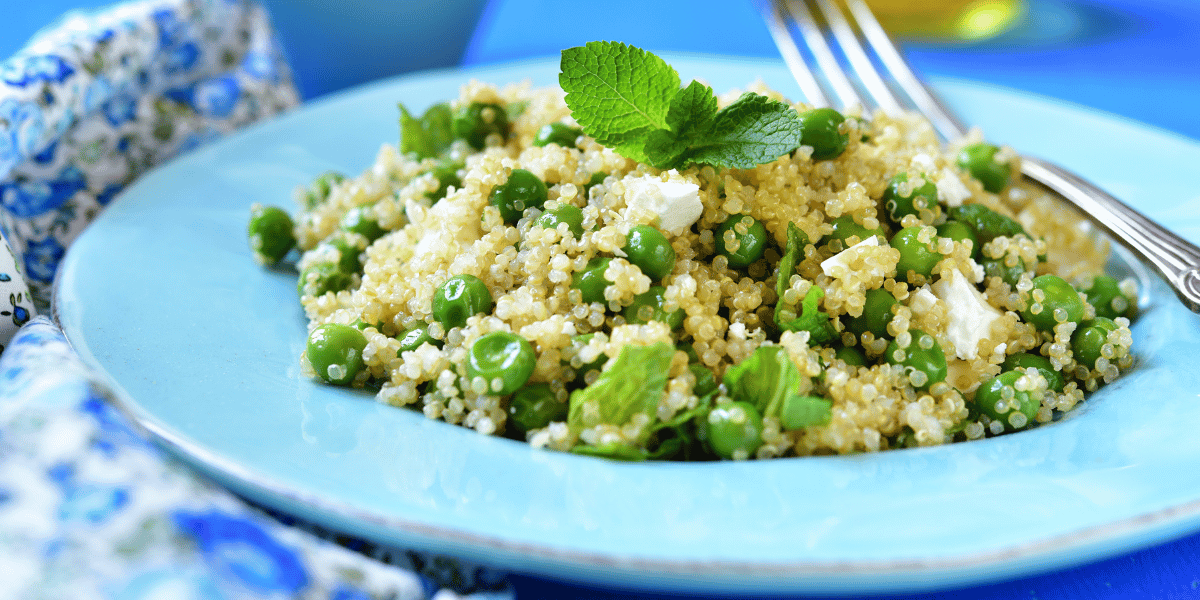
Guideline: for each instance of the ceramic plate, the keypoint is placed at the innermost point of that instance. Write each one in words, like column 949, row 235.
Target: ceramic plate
column 202, row 346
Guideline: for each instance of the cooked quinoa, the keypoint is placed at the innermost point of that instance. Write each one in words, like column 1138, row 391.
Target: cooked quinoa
column 728, row 313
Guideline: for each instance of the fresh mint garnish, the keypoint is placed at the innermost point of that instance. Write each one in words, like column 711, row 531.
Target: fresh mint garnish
column 630, row 100
column 618, row 93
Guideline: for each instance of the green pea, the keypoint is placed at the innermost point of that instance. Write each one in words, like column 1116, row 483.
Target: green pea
column 1087, row 343
column 985, row 222
column 270, row 233
column 522, row 190
column 706, row 382
column 819, row 128
column 476, row 121
column 591, row 280
column 651, row 251
column 446, row 172
column 321, row 278
column 850, row 232
column 735, row 427
column 335, row 352
column 998, row 267
column 1025, row 360
column 648, row 306
column 749, row 240
column 1110, row 302
column 460, row 298
column 1060, row 302
column 958, row 231
column 999, row 399
column 502, row 356
column 980, row 161
column 851, row 356
column 596, row 178
column 534, row 407
column 557, row 133
column 415, row 338
column 877, row 313
column 362, row 220
column 564, row 213
column 348, row 255
column 318, row 192
column 923, row 359
column 898, row 205
column 362, row 325
column 915, row 255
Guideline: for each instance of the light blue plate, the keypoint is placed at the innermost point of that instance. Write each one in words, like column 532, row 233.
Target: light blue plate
column 202, row 345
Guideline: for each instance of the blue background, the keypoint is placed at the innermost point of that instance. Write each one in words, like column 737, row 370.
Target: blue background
column 1136, row 59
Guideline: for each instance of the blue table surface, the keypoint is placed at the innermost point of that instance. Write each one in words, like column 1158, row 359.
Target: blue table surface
column 1132, row 58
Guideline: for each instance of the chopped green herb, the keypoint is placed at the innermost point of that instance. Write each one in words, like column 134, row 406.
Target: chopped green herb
column 767, row 379
column 428, row 136
column 811, row 319
column 631, row 385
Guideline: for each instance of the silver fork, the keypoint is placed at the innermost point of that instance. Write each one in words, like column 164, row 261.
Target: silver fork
column 1172, row 256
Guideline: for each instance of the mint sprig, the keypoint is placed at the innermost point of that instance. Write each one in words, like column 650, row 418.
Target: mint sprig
column 629, row 100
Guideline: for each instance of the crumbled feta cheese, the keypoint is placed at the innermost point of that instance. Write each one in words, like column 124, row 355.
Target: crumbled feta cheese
column 971, row 316
column 677, row 203
column 951, row 189
column 922, row 301
column 438, row 232
column 923, row 162
column 839, row 264
column 977, row 272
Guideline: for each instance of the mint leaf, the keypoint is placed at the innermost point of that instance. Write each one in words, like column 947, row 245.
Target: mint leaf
column 663, row 149
column 793, row 250
column 631, row 385
column 805, row 411
column 690, row 116
column 692, row 110
column 629, row 100
column 617, row 93
column 811, row 319
column 766, row 379
column 753, row 130
column 429, row 135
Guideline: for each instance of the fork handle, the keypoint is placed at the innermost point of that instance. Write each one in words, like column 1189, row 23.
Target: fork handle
column 1177, row 259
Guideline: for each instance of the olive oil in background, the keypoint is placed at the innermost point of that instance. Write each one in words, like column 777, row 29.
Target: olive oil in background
column 947, row 20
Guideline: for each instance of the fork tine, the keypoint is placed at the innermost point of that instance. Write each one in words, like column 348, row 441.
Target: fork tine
column 809, row 86
column 860, row 63
column 826, row 61
column 943, row 119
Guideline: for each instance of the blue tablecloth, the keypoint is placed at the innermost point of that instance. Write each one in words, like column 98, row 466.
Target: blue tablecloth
column 1135, row 59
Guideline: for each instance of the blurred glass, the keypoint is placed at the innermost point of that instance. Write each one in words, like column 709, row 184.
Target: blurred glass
column 948, row 20
column 335, row 44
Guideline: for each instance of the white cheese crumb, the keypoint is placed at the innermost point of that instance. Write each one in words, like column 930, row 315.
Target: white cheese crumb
column 971, row 317
column 951, row 189
column 977, row 271
column 439, row 235
column 922, row 301
column 839, row 264
column 677, row 203
column 923, row 162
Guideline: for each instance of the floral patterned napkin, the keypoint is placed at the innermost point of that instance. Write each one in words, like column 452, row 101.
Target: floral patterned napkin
column 89, row 507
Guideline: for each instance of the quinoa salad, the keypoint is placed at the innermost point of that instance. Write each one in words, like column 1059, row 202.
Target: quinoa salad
column 521, row 265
